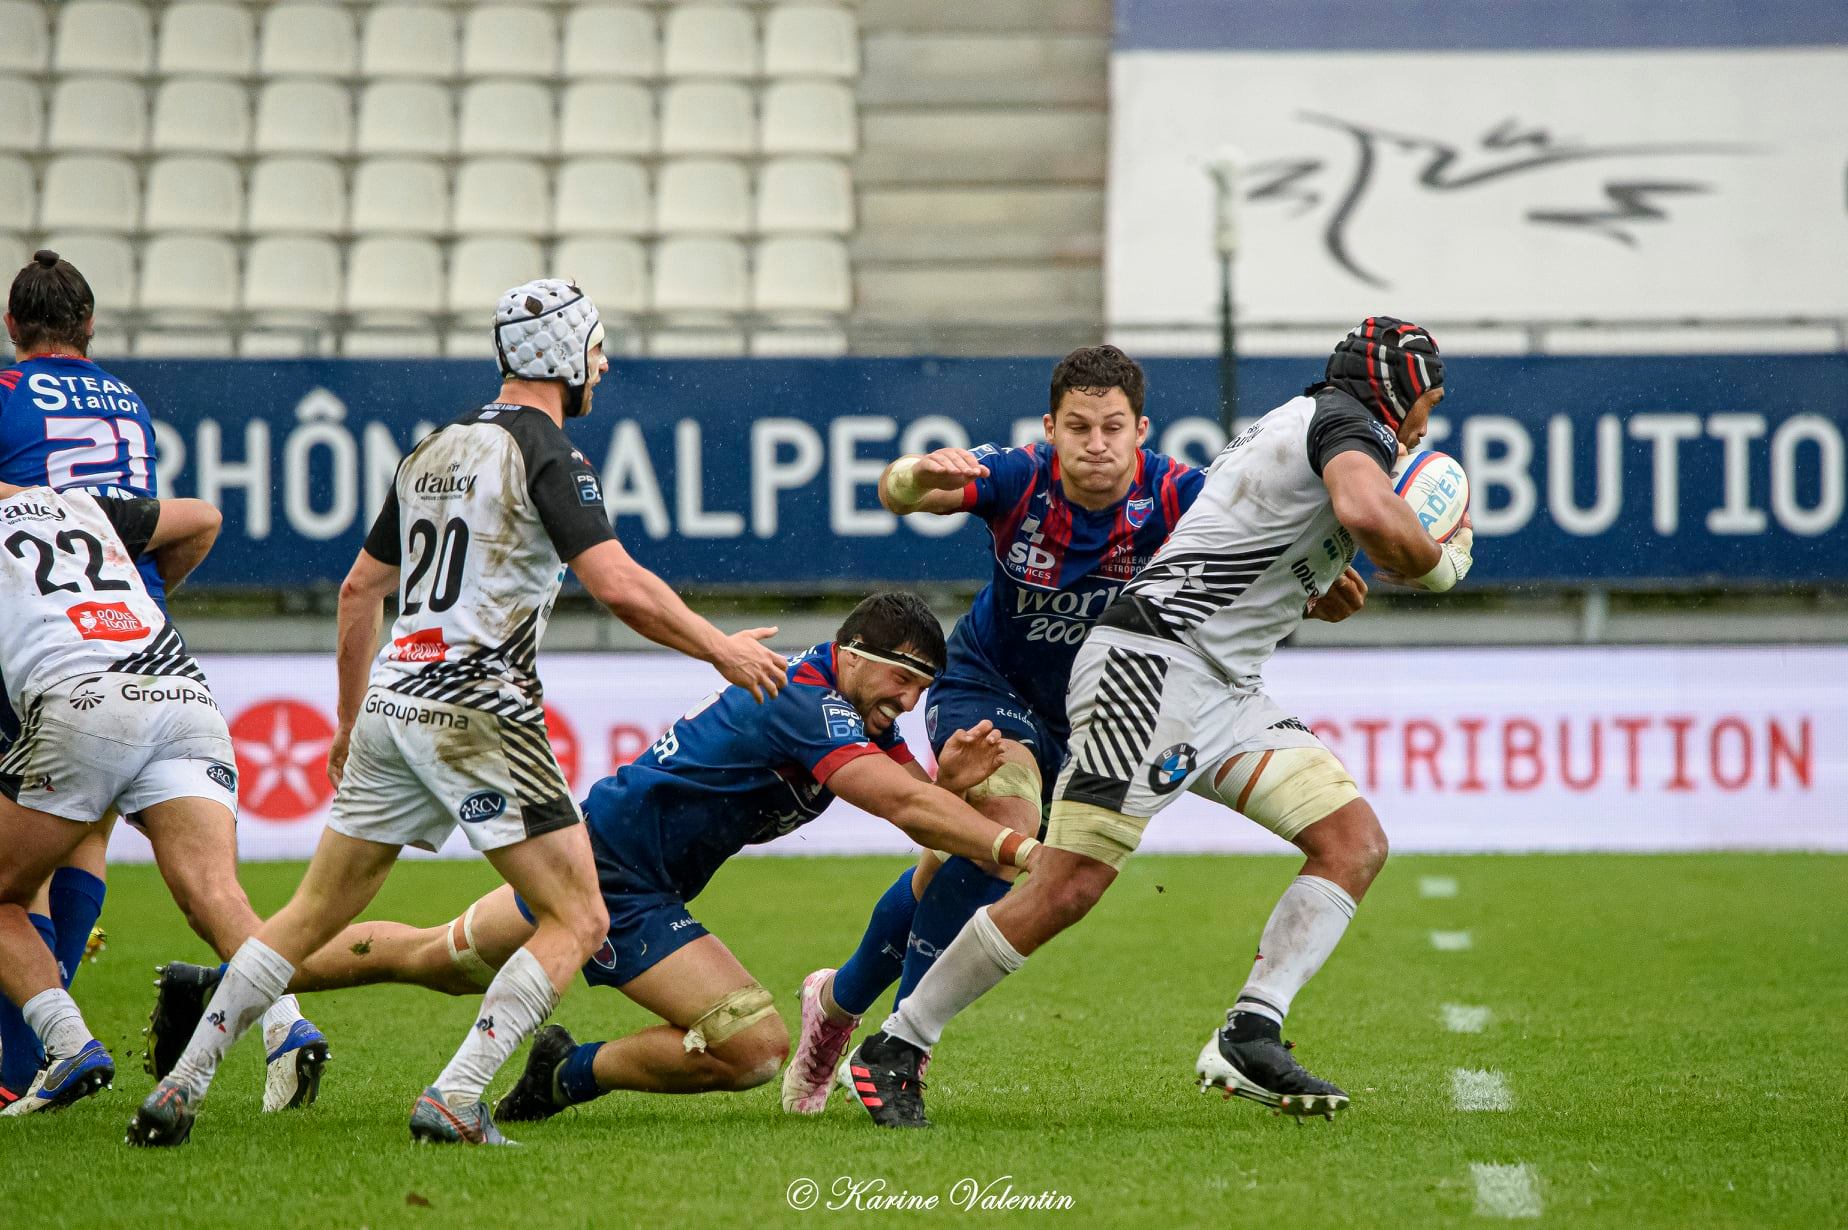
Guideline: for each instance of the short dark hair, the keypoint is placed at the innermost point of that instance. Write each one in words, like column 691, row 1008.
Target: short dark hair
column 895, row 619
column 1098, row 369
column 49, row 303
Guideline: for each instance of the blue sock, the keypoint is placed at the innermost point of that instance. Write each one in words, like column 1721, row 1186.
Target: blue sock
column 76, row 904
column 876, row 963
column 575, row 1078
column 20, row 1052
column 956, row 892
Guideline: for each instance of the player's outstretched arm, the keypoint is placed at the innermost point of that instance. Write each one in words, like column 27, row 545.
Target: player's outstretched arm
column 362, row 603
column 929, row 815
column 1386, row 527
column 182, row 538
column 929, row 482
column 645, row 602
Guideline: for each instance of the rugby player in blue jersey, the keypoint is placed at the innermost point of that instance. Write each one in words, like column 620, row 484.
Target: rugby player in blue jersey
column 68, row 424
column 1072, row 520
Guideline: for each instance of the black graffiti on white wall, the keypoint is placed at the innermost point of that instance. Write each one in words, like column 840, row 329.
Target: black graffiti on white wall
column 1507, row 150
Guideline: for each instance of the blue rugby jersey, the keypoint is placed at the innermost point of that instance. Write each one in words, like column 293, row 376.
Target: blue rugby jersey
column 1057, row 566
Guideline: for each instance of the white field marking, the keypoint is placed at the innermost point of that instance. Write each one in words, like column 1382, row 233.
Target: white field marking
column 1505, row 1191
column 1477, row 1089
column 1437, row 886
column 1451, row 941
column 1466, row 1018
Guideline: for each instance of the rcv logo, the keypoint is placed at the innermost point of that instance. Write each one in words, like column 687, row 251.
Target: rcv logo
column 482, row 805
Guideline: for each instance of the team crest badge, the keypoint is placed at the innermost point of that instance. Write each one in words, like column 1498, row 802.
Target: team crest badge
column 1172, row 767
column 1137, row 511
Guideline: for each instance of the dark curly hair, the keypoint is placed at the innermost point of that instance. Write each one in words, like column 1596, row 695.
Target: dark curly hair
column 1098, row 369
column 895, row 619
column 50, row 302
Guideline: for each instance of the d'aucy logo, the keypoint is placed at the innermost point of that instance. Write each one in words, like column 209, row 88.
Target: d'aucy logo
column 482, row 805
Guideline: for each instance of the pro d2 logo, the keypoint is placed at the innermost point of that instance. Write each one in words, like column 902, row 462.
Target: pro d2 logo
column 481, row 806
column 1171, row 768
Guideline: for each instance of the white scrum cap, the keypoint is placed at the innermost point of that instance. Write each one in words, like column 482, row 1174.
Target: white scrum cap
column 545, row 330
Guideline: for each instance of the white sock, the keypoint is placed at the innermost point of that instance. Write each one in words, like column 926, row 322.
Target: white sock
column 276, row 1022
column 54, row 1017
column 1304, row 928
column 256, row 978
column 517, row 1002
column 976, row 960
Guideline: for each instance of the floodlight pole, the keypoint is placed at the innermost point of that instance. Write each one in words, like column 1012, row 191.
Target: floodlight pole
column 1225, row 172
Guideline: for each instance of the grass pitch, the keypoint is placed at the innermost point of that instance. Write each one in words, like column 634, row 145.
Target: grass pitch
column 1672, row 1033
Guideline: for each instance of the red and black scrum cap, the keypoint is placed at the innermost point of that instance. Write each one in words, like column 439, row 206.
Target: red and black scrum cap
column 1386, row 364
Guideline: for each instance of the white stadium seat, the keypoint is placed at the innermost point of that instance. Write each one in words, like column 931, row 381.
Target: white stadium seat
column 211, row 39
column 802, row 275
column 697, row 337
column 103, row 36
column 707, row 117
column 800, row 339
column 405, row 117
column 400, row 196
column 508, row 117
column 26, row 48
column 194, row 343
column 809, row 117
column 13, row 253
column 606, row 117
column 603, row 196
column 187, row 274
column 480, row 271
column 613, row 272
column 509, row 40
column 700, row 275
column 610, row 40
column 307, row 40
column 805, row 194
column 502, row 196
column 285, row 276
column 201, row 116
column 811, row 40
column 393, row 278
column 24, row 109
column 194, row 194
column 703, row 196
column 303, row 195
column 378, row 340
column 304, row 117
column 107, row 263
column 408, row 40
column 98, row 113
column 90, row 193
column 18, row 200
column 709, row 40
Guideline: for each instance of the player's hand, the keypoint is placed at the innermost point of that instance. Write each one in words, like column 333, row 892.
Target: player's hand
column 948, row 469
column 1344, row 598
column 969, row 757
column 745, row 660
column 337, row 755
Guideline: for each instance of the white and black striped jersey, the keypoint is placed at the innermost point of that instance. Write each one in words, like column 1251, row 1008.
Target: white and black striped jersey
column 480, row 519
column 72, row 601
column 1260, row 541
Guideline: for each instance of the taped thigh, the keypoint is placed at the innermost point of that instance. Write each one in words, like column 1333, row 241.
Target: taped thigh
column 1108, row 836
column 466, row 958
column 1285, row 789
column 1013, row 780
column 735, row 1013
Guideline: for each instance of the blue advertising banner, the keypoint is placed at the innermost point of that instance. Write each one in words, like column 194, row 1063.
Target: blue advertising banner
column 1605, row 471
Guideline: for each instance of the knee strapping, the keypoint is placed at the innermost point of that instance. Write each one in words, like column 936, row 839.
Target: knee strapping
column 1286, row 789
column 466, row 958
column 737, row 1012
column 1108, row 836
column 1012, row 780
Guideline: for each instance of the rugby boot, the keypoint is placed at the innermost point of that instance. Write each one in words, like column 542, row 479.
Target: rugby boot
column 885, row 1079
column 435, row 1122
column 1249, row 1059
column 64, row 1081
column 537, row 1095
column 182, row 991
column 807, row 1080
column 165, row 1118
column 294, row 1074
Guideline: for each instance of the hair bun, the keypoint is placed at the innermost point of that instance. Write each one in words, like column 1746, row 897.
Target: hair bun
column 45, row 257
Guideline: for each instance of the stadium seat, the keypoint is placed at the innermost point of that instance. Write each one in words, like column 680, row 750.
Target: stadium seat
column 107, row 263
column 802, row 275
column 408, row 40
column 803, row 40
column 90, row 193
column 699, row 275
column 194, row 343
column 703, row 195
column 378, row 340
column 502, row 196
column 805, row 194
column 304, row 195
column 613, row 272
column 707, row 117
column 405, row 117
column 508, row 117
column 603, row 196
column 800, row 339
column 97, row 113
column 281, row 341
column 13, row 251
column 103, row 36
column 24, row 108
column 470, row 341
column 480, row 271
column 194, row 194
column 400, row 196
column 307, row 40
column 27, row 45
column 187, row 276
column 697, row 337
column 199, row 116
column 709, row 40
column 304, row 117
column 289, row 277
column 393, row 279
column 18, row 200
column 509, row 40
column 606, row 117
column 809, row 117
column 206, row 38
column 610, row 40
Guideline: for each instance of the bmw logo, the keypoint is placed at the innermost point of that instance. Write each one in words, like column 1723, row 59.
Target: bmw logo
column 1172, row 767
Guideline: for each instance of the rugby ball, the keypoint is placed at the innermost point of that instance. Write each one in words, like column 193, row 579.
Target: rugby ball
column 1436, row 488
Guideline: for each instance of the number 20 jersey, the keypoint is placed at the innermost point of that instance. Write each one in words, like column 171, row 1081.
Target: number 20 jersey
column 480, row 519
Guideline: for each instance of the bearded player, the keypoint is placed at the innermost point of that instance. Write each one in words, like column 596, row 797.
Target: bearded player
column 1167, row 694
